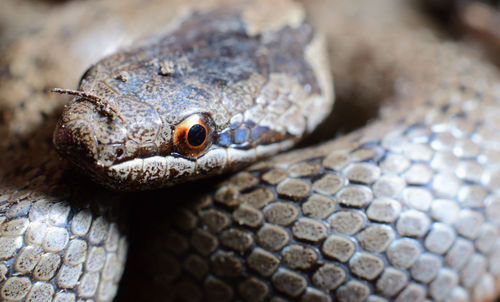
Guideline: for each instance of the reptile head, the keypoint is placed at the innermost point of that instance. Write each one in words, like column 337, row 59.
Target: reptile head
column 207, row 98
column 127, row 145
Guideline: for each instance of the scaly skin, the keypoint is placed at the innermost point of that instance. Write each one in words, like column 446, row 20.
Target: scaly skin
column 405, row 208
column 253, row 88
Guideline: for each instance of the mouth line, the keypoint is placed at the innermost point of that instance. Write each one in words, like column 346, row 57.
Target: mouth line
column 157, row 170
column 174, row 154
column 173, row 168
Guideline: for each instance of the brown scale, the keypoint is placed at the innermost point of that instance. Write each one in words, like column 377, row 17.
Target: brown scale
column 405, row 209
column 224, row 71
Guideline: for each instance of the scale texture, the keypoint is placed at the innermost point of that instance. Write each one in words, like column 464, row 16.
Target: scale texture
column 405, row 209
column 255, row 89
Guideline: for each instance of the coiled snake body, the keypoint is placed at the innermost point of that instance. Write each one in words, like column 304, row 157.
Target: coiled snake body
column 406, row 208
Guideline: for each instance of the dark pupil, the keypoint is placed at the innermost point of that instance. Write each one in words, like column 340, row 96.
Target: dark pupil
column 196, row 135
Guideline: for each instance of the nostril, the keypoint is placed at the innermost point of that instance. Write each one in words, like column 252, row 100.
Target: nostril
column 62, row 137
column 119, row 152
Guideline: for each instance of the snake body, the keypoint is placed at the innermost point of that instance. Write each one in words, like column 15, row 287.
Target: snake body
column 404, row 209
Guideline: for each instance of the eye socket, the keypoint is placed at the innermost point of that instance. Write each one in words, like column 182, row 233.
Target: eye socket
column 194, row 135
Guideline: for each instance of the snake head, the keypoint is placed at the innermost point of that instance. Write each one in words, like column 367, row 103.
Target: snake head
column 135, row 149
column 207, row 98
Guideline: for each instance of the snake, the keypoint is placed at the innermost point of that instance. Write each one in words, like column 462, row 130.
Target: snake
column 405, row 208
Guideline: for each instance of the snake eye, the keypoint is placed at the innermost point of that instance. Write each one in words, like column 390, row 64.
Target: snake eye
column 197, row 135
column 194, row 135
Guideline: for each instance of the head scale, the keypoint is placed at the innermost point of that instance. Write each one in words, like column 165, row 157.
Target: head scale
column 209, row 97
